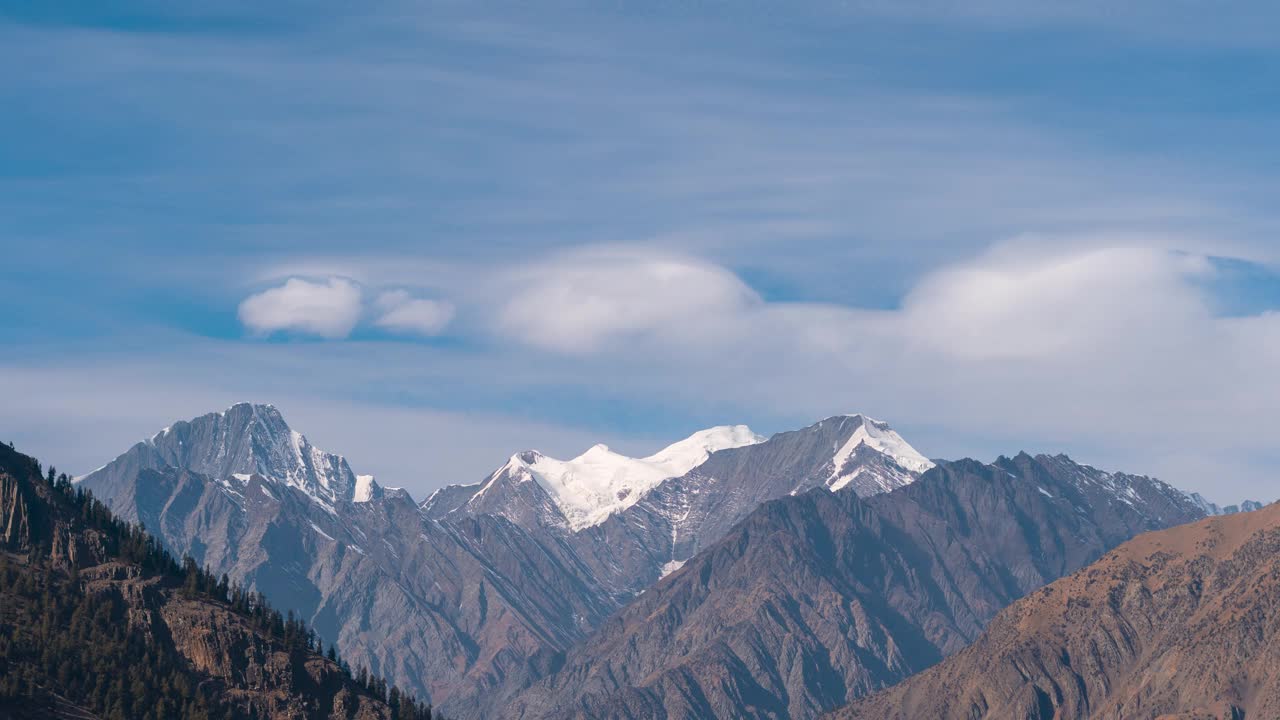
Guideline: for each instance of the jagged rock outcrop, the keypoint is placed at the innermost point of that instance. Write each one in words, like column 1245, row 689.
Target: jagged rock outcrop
column 1183, row 623
column 1212, row 509
column 15, row 522
column 822, row 597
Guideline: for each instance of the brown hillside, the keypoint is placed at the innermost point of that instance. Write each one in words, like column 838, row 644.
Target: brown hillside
column 1180, row 623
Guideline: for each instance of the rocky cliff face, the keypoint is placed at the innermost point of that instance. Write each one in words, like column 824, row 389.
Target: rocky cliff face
column 222, row 647
column 57, row 551
column 1182, row 623
column 822, row 597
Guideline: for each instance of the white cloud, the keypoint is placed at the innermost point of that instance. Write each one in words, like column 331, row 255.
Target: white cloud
column 329, row 309
column 401, row 312
column 592, row 300
column 1104, row 347
column 1017, row 302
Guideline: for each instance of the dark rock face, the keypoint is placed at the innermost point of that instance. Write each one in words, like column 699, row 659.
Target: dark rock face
column 1182, row 623
column 823, row 597
column 49, row 546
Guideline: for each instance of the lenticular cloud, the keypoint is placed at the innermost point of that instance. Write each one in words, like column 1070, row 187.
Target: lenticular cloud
column 329, row 309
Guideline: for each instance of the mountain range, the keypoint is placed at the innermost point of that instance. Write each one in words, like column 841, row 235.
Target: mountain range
column 481, row 588
column 727, row 575
column 821, row 597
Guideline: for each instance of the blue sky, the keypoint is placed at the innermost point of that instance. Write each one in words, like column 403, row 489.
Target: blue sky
column 438, row 233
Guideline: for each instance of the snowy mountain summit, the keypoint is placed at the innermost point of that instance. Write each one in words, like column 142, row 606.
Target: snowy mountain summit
column 589, row 488
column 868, row 434
column 242, row 441
column 685, row 481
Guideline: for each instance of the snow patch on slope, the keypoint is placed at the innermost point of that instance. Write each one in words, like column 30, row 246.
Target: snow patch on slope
column 364, row 489
column 670, row 567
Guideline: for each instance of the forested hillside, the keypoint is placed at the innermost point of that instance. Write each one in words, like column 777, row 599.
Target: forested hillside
column 98, row 620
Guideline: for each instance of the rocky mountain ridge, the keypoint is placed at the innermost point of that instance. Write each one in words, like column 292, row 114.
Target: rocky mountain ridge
column 231, row 445
column 1211, row 508
column 533, row 490
column 821, row 597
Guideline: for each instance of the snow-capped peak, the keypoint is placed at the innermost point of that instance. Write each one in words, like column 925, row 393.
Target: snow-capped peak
column 878, row 436
column 683, row 456
column 599, row 482
column 250, row 438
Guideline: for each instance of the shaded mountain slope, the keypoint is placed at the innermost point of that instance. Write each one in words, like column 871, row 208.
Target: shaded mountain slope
column 1183, row 623
column 823, row 597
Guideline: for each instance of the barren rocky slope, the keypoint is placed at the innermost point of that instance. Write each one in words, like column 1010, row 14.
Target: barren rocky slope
column 1183, row 623
column 823, row 597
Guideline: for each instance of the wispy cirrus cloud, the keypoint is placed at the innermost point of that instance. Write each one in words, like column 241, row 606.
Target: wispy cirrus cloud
column 803, row 215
